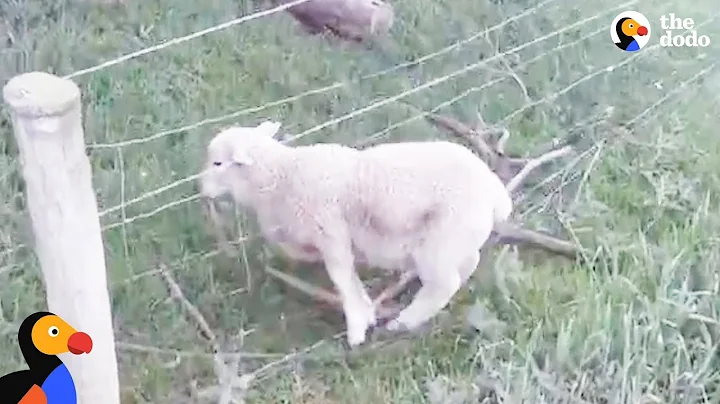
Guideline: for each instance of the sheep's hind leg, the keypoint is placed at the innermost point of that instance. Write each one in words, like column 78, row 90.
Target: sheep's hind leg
column 438, row 288
column 469, row 266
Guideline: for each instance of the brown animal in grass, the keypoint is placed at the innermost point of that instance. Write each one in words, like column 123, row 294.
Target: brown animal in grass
column 354, row 20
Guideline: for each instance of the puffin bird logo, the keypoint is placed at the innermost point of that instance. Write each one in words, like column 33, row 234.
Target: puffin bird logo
column 43, row 336
column 630, row 31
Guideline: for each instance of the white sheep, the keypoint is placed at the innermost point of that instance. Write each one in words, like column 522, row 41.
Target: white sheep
column 421, row 206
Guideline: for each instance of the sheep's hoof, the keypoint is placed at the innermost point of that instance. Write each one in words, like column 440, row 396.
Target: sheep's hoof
column 391, row 331
column 354, row 343
column 355, row 338
column 396, row 326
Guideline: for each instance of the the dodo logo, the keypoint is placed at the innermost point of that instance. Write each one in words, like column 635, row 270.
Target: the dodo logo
column 42, row 337
column 630, row 31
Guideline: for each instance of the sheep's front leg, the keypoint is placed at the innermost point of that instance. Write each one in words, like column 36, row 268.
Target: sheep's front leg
column 357, row 306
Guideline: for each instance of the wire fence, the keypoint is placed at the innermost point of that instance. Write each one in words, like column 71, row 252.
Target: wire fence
column 606, row 69
column 379, row 104
column 162, row 134
column 598, row 72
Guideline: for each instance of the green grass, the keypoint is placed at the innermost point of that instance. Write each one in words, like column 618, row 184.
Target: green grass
column 638, row 325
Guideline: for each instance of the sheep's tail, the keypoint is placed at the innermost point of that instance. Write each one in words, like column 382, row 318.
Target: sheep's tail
column 503, row 206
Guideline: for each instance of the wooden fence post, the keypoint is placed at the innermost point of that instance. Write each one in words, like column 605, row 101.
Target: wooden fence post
column 47, row 121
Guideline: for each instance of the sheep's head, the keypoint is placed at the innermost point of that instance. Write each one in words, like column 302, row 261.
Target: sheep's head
column 231, row 154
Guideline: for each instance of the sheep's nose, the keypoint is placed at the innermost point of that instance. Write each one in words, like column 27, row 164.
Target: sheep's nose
column 203, row 189
column 206, row 195
column 200, row 189
column 209, row 192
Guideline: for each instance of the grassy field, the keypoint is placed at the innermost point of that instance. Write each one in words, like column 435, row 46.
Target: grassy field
column 637, row 323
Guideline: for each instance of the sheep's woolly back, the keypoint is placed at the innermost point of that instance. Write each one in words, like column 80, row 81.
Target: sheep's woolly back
column 409, row 195
column 441, row 171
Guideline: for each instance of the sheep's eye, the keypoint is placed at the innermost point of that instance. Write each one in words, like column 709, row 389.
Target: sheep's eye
column 217, row 163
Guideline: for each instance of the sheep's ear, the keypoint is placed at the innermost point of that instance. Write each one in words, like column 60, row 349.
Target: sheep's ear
column 242, row 158
column 268, row 128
